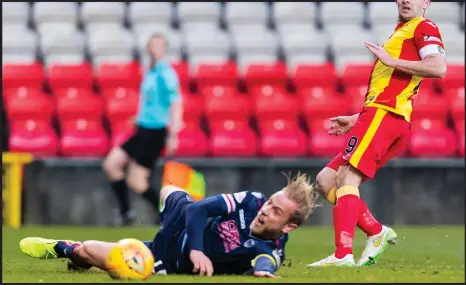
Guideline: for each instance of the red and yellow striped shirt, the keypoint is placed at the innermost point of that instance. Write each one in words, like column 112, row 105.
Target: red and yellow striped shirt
column 394, row 90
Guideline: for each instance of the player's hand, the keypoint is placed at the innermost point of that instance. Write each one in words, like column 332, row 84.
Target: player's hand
column 201, row 262
column 171, row 144
column 380, row 53
column 264, row 274
column 341, row 125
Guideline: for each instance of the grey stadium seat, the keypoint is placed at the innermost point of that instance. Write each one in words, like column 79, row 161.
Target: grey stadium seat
column 255, row 43
column 72, row 58
column 55, row 12
column 241, row 13
column 19, row 41
column 383, row 13
column 117, row 43
column 383, row 32
column 311, row 48
column 244, row 60
column 102, row 12
column 452, row 39
column 200, row 28
column 150, row 12
column 15, row 13
column 192, row 12
column 207, row 44
column 97, row 60
column 56, row 28
column 18, row 58
column 342, row 60
column 294, row 12
column 341, row 13
column 195, row 60
column 63, row 43
column 443, row 12
column 155, row 27
column 349, row 44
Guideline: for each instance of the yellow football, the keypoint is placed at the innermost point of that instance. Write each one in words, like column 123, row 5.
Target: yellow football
column 130, row 259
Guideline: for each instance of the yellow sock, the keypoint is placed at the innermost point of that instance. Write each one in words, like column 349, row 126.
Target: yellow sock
column 347, row 190
column 331, row 196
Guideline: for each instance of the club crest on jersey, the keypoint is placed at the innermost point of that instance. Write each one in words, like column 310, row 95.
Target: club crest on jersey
column 250, row 243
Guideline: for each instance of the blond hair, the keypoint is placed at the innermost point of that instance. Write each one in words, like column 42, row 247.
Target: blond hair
column 303, row 194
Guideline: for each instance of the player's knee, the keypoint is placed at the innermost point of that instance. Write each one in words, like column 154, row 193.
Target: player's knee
column 113, row 169
column 83, row 251
column 166, row 190
column 349, row 176
column 138, row 184
column 325, row 181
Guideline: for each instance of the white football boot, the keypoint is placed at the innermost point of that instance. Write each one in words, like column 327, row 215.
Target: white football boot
column 376, row 245
column 347, row 261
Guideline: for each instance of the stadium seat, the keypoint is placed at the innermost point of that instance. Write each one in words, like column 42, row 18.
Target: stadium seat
column 246, row 13
column 102, row 12
column 444, row 12
column 454, row 78
column 260, row 42
column 461, row 136
column 195, row 12
column 243, row 61
column 182, row 70
column 321, row 144
column 315, row 75
column 350, row 49
column 103, row 44
column 430, row 106
column 294, row 12
column 232, row 139
column 22, row 75
column 227, row 106
column 337, row 15
column 19, row 41
column 455, row 99
column 213, row 43
column 121, row 130
column 274, row 103
column 356, row 97
column 383, row 13
column 119, row 75
column 73, row 104
column 450, row 34
column 274, row 75
column 120, row 103
column 192, row 106
column 428, row 124
column 15, row 13
column 143, row 13
column 356, row 75
column 211, row 91
column 62, row 42
column 55, row 12
column 192, row 141
column 83, row 138
column 24, row 104
column 70, row 75
column 282, row 138
column 207, row 75
column 33, row 136
column 319, row 103
column 435, row 143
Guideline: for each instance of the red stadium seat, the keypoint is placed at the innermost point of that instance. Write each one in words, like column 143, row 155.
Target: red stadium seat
column 454, row 78
column 70, row 75
column 318, row 103
column 212, row 91
column 22, row 75
column 431, row 106
column 322, row 124
column 182, row 69
column 433, row 143
column 356, row 97
column 24, row 104
column 192, row 141
column 225, row 74
column 114, row 75
column 266, row 74
column 356, row 75
column 315, row 75
column 459, row 126
column 429, row 84
column 121, row 130
column 428, row 124
column 321, row 144
column 461, row 143
column 83, row 138
column 192, row 106
column 227, row 107
column 453, row 93
column 36, row 137
column 232, row 139
column 274, row 103
column 120, row 103
column 455, row 98
column 282, row 138
column 73, row 103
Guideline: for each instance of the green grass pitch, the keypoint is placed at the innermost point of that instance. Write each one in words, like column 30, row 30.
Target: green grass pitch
column 422, row 254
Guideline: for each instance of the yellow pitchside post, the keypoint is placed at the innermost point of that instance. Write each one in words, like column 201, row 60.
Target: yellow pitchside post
column 12, row 182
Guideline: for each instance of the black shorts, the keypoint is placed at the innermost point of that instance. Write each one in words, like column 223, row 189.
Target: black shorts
column 166, row 245
column 145, row 145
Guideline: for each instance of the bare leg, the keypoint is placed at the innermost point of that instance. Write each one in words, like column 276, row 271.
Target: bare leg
column 94, row 252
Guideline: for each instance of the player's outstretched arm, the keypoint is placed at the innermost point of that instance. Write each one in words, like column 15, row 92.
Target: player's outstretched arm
column 264, row 266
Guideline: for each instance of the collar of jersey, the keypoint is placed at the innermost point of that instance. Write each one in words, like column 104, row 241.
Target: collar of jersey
column 266, row 240
column 161, row 64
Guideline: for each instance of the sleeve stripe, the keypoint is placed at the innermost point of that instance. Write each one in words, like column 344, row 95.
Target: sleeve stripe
column 230, row 202
column 429, row 49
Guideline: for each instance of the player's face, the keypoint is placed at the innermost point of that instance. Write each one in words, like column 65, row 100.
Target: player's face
column 409, row 9
column 272, row 220
column 157, row 48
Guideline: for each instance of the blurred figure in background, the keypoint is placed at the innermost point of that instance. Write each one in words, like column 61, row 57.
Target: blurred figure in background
column 157, row 123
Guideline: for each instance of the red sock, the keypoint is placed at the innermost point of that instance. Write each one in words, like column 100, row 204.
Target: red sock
column 345, row 219
column 367, row 223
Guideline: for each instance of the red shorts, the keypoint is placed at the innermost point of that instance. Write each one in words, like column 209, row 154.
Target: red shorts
column 377, row 136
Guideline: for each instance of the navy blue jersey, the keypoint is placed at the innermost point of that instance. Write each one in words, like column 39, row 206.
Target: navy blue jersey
column 227, row 240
